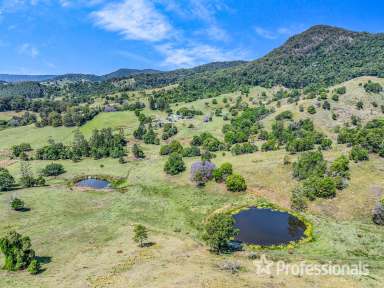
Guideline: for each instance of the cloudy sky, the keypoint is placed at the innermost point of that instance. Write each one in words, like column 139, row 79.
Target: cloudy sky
column 99, row 36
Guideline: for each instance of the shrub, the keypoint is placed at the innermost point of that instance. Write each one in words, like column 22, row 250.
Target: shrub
column 378, row 213
column 201, row 172
column 140, row 132
column 140, row 234
column 340, row 182
column 40, row 181
column 192, row 151
column 212, row 144
column 311, row 109
column 270, row 145
column 53, row 169
column 18, row 150
column 316, row 186
column 326, row 105
column 221, row 174
column 169, row 131
column 245, row 148
column 298, row 199
column 360, row 105
column 34, row 267
column 309, row 164
column 335, row 97
column 218, row 231
column 358, row 153
column 172, row 147
column 6, row 180
column 373, row 87
column 341, row 90
column 235, row 183
column 326, row 144
column 137, row 152
column 340, row 167
column 17, row 204
column 175, row 164
column 207, row 156
column 150, row 137
column 300, row 144
column 17, row 250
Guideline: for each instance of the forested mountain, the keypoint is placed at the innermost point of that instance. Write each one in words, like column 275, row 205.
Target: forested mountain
column 321, row 55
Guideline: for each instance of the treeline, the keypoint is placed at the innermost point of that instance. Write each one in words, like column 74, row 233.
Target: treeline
column 74, row 116
column 102, row 144
column 22, row 120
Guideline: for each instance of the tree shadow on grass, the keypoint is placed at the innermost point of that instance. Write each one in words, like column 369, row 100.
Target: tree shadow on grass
column 25, row 209
column 43, row 259
column 148, row 244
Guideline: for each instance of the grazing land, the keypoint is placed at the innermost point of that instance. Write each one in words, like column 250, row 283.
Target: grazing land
column 83, row 237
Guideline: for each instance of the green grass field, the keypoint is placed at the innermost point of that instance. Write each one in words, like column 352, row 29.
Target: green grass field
column 85, row 237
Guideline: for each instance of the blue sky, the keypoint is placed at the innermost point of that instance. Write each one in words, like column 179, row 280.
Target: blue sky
column 99, row 36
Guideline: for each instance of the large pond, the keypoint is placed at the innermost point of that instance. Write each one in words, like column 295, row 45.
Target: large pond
column 266, row 227
column 93, row 183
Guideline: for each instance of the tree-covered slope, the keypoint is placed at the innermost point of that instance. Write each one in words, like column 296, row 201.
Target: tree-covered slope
column 320, row 55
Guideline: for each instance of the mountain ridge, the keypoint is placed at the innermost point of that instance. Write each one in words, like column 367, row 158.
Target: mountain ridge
column 117, row 74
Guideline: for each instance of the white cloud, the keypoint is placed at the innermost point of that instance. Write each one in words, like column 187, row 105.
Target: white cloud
column 195, row 54
column 202, row 10
column 265, row 33
column 80, row 3
column 206, row 11
column 281, row 31
column 141, row 20
column 28, row 50
column 134, row 19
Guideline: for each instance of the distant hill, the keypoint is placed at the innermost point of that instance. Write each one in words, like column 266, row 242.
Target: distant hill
column 157, row 79
column 124, row 73
column 77, row 77
column 23, row 78
column 90, row 84
column 118, row 74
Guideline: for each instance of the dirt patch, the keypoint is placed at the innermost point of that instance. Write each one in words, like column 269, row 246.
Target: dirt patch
column 6, row 163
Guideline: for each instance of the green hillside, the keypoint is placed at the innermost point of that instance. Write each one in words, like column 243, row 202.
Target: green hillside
column 299, row 131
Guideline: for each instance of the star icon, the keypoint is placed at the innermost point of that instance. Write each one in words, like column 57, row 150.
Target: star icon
column 263, row 265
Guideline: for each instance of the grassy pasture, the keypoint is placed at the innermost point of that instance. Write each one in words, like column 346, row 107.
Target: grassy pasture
column 86, row 235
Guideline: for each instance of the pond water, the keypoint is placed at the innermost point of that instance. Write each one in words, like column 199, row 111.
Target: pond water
column 93, row 183
column 267, row 227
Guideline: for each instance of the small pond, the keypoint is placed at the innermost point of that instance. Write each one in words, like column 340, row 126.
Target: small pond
column 93, row 183
column 266, row 227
